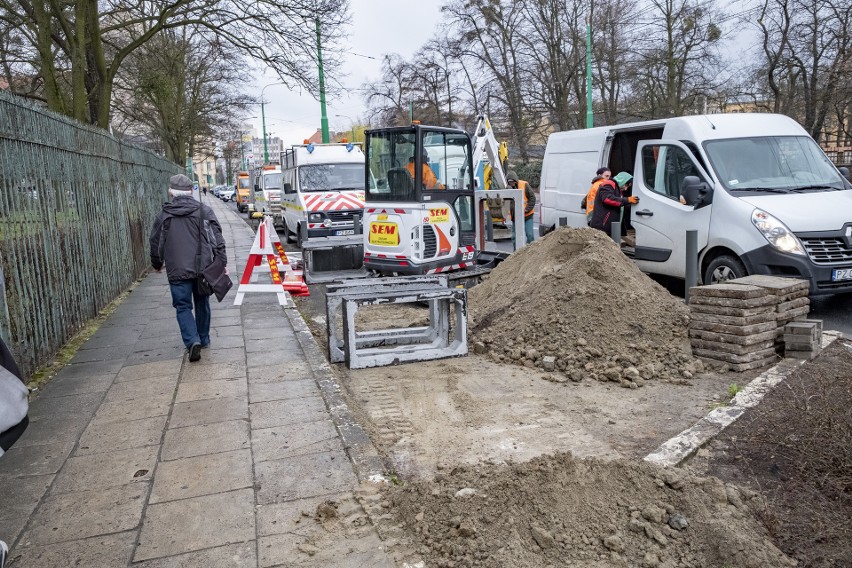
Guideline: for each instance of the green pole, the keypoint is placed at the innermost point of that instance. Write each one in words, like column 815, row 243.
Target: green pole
column 324, row 117
column 263, row 118
column 590, row 117
column 410, row 110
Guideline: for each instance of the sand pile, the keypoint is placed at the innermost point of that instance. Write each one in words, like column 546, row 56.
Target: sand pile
column 559, row 511
column 573, row 305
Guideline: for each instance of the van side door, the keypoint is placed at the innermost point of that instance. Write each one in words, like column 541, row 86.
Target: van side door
column 662, row 217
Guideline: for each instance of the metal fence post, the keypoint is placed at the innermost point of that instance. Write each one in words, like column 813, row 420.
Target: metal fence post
column 691, row 262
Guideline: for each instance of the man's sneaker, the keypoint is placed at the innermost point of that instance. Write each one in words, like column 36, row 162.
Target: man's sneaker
column 194, row 352
column 4, row 552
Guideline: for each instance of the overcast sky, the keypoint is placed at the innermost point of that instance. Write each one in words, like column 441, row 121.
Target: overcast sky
column 378, row 27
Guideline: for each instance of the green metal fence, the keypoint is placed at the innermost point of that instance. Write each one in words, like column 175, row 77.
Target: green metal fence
column 76, row 207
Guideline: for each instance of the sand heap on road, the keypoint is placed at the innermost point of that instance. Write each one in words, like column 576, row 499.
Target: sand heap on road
column 560, row 511
column 572, row 304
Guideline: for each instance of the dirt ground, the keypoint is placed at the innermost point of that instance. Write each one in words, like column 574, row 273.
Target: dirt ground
column 470, row 410
column 794, row 449
column 506, row 458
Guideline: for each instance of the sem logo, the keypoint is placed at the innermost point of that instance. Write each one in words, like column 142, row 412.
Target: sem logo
column 383, row 229
column 439, row 215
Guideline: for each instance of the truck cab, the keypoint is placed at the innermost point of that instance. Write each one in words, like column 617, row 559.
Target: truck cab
column 323, row 190
column 418, row 217
column 266, row 182
column 243, row 191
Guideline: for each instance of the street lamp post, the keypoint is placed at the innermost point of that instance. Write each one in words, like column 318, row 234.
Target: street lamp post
column 263, row 121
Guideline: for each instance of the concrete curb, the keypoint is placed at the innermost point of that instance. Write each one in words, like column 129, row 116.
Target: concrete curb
column 366, row 460
column 677, row 450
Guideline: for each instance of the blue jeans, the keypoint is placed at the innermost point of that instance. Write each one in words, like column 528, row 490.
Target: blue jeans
column 528, row 230
column 193, row 329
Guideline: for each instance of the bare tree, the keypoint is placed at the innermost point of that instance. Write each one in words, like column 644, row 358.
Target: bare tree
column 677, row 57
column 182, row 87
column 76, row 49
column 807, row 55
column 555, row 45
column 492, row 31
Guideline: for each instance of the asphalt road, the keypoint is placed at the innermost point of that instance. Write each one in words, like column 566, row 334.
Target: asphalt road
column 834, row 310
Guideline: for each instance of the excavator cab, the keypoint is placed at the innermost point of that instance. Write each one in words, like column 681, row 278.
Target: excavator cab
column 419, row 211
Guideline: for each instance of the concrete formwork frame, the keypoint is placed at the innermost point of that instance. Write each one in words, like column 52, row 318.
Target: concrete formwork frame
column 334, row 302
column 362, row 351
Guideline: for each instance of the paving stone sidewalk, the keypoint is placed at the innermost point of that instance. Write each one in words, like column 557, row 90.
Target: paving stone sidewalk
column 136, row 457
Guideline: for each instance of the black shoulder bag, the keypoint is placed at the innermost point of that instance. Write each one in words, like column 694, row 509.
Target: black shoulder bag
column 211, row 280
column 204, row 287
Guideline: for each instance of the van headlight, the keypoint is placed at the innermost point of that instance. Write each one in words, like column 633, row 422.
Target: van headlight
column 776, row 232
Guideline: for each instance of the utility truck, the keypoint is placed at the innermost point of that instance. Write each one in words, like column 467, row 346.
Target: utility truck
column 266, row 192
column 244, row 190
column 323, row 190
column 761, row 194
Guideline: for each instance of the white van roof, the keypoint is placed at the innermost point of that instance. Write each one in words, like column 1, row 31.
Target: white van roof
column 306, row 154
column 695, row 127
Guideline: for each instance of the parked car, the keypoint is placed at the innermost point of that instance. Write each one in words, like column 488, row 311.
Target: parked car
column 227, row 194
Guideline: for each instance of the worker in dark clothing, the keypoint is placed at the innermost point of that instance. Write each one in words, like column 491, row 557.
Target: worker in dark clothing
column 609, row 201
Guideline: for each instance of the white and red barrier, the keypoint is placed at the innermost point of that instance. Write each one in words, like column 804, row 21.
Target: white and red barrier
column 266, row 252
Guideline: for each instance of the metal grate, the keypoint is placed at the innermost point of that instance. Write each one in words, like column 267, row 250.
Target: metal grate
column 343, row 216
column 827, row 250
column 76, row 209
column 430, row 241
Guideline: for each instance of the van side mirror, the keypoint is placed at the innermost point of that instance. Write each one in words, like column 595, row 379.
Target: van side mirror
column 696, row 192
column 844, row 171
column 288, row 188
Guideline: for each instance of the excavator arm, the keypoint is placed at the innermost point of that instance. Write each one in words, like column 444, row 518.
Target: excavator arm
column 495, row 154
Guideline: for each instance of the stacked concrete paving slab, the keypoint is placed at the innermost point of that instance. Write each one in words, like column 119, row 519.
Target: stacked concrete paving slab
column 802, row 339
column 741, row 322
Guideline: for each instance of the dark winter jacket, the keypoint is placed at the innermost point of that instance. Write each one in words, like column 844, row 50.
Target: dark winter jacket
column 607, row 206
column 13, row 400
column 174, row 239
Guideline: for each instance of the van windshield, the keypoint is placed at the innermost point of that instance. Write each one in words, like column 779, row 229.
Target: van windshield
column 331, row 177
column 272, row 181
column 244, row 183
column 777, row 164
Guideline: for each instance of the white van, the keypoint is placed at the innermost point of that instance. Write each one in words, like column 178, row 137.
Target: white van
column 762, row 195
column 266, row 192
column 323, row 189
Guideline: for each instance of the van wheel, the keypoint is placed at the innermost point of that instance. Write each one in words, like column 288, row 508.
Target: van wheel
column 724, row 268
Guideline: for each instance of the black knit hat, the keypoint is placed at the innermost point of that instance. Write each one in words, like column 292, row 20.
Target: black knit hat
column 601, row 171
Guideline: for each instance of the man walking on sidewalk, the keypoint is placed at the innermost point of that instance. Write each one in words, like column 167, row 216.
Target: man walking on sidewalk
column 187, row 238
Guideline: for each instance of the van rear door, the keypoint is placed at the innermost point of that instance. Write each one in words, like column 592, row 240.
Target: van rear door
column 660, row 219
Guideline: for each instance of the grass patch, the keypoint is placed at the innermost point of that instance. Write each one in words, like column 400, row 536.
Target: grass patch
column 733, row 389
column 43, row 375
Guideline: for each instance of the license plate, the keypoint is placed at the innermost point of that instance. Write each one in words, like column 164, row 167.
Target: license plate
column 841, row 274
column 345, row 232
column 384, row 234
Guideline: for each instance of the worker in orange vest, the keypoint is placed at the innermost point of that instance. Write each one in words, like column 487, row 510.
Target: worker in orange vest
column 588, row 202
column 430, row 180
column 529, row 202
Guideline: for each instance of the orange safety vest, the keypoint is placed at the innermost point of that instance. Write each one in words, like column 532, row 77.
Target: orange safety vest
column 523, row 185
column 590, row 199
column 429, row 179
